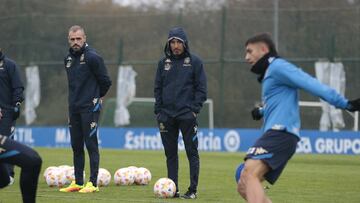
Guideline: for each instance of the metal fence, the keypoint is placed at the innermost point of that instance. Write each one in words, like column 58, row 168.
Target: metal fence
column 304, row 35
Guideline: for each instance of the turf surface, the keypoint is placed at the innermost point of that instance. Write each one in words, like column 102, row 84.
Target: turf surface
column 307, row 178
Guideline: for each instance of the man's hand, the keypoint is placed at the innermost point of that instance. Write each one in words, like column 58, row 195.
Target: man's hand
column 354, row 105
column 16, row 113
column 256, row 113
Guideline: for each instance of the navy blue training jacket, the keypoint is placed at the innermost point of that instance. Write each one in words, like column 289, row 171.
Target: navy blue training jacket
column 180, row 82
column 11, row 86
column 87, row 78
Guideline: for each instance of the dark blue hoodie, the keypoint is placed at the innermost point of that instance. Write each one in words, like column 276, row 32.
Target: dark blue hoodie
column 11, row 86
column 88, row 80
column 180, row 82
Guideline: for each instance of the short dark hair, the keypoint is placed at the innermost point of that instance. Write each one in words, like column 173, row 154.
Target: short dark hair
column 265, row 38
column 76, row 28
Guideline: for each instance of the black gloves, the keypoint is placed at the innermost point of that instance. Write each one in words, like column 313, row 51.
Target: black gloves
column 256, row 113
column 16, row 110
column 354, row 105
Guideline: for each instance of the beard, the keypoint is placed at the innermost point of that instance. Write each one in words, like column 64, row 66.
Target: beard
column 76, row 47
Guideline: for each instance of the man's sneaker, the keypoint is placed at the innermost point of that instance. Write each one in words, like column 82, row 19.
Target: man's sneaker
column 73, row 187
column 177, row 195
column 189, row 195
column 12, row 180
column 89, row 187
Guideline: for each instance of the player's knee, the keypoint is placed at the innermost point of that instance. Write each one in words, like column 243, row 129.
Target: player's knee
column 171, row 154
column 250, row 175
column 192, row 153
column 241, row 189
column 91, row 147
column 246, row 175
column 35, row 160
column 78, row 151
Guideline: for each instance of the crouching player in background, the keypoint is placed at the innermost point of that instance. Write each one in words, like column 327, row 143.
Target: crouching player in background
column 280, row 80
column 14, row 153
column 11, row 96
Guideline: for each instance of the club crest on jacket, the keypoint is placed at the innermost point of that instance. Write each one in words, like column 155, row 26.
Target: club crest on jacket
column 82, row 59
column 187, row 61
column 167, row 65
column 68, row 62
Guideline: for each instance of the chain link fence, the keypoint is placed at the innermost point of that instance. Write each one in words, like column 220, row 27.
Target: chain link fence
column 305, row 35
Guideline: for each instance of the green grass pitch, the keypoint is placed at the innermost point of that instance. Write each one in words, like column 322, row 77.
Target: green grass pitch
column 307, row 178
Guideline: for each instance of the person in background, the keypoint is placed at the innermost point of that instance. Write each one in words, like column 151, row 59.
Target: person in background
column 15, row 153
column 88, row 83
column 11, row 97
column 180, row 91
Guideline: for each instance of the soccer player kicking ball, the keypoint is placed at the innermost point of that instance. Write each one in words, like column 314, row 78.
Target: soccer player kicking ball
column 280, row 80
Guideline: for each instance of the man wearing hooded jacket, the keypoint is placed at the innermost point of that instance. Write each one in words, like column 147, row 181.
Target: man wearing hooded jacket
column 11, row 96
column 180, row 91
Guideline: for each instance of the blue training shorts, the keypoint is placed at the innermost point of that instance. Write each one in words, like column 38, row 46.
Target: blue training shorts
column 274, row 148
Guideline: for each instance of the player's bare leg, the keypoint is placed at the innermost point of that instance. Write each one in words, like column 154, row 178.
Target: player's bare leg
column 249, row 186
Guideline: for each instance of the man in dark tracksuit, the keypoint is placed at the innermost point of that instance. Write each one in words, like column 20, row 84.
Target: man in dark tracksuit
column 88, row 83
column 11, row 96
column 12, row 152
column 180, row 91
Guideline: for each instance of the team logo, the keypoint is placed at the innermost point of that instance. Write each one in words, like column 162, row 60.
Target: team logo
column 167, row 65
column 278, row 127
column 82, row 59
column 68, row 62
column 195, row 129
column 12, row 132
column 95, row 100
column 162, row 128
column 93, row 129
column 271, row 59
column 92, row 125
column 2, row 139
column 187, row 61
column 257, row 151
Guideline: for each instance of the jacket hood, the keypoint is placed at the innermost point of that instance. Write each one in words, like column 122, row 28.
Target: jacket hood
column 176, row 33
